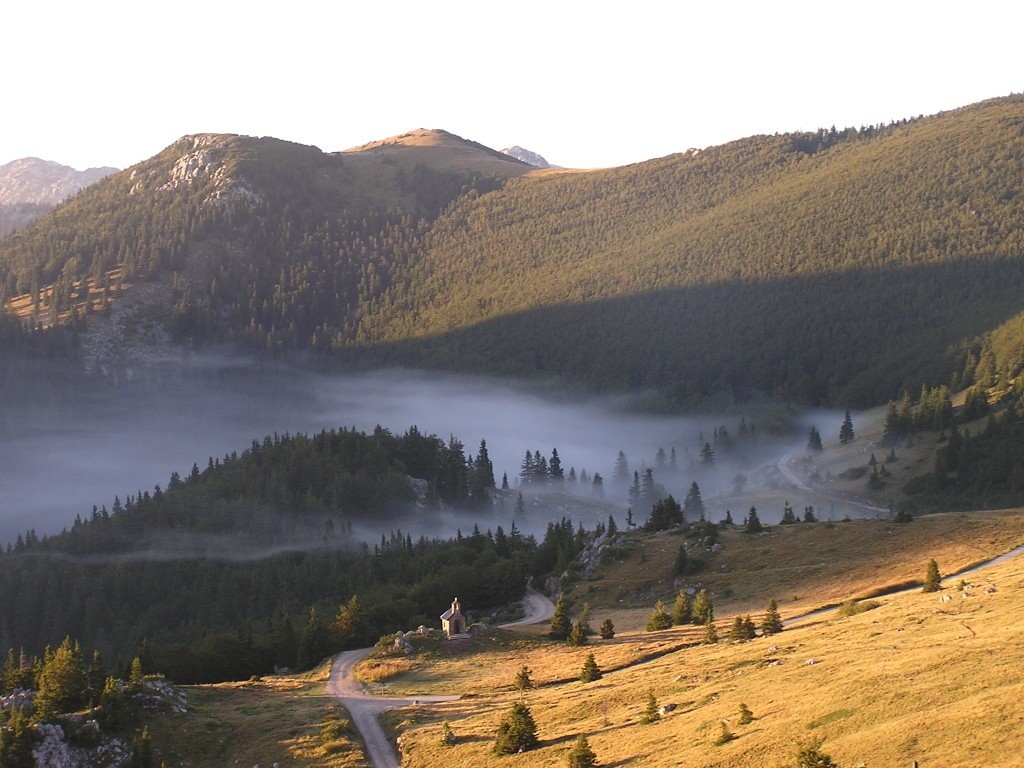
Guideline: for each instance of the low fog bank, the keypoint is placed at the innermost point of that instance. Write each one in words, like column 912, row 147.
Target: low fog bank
column 64, row 452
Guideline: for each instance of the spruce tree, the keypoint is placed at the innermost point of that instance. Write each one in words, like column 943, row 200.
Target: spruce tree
column 746, row 716
column 585, row 620
column 517, row 732
column 577, row 636
column 560, row 626
column 522, row 681
column 738, row 632
column 659, row 618
column 142, row 751
column 682, row 563
column 590, row 671
column 725, row 735
column 932, row 578
column 582, row 756
column 693, row 504
column 772, row 623
column 447, row 735
column 607, row 629
column 753, row 523
column 650, row 714
column 17, row 741
column 710, row 633
column 788, row 518
column 814, row 440
column 846, row 433
column 703, row 611
column 682, row 610
column 61, row 683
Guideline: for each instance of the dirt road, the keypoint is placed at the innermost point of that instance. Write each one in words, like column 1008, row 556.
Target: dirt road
column 364, row 708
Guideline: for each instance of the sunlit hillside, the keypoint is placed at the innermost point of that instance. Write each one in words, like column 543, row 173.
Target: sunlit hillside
column 885, row 687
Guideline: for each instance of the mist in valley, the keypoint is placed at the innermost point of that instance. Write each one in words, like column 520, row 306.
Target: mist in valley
column 65, row 449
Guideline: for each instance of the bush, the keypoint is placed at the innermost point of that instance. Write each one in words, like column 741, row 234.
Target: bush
column 853, row 607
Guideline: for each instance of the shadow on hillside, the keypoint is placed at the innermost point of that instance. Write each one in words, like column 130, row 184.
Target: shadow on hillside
column 854, row 336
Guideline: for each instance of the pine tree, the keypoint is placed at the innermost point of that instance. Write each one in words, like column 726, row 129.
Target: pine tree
column 693, row 504
column 351, row 624
column 710, row 633
column 707, row 455
column 772, row 623
column 738, row 632
column 746, row 716
column 135, row 676
column 650, row 714
column 577, row 636
column 891, row 427
column 682, row 562
column 725, row 735
column 703, row 610
column 811, row 756
column 582, row 756
column 61, row 682
column 447, row 735
column 932, row 578
column 142, row 751
column 814, row 440
column 846, row 434
column 591, row 671
column 560, row 625
column 748, row 627
column 809, row 515
column 607, row 629
column 753, row 524
column 522, row 681
column 555, row 467
column 17, row 741
column 682, row 610
column 659, row 618
column 585, row 620
column 788, row 518
column 620, row 474
column 114, row 711
column 517, row 732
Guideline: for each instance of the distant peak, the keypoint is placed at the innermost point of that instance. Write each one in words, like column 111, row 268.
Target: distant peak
column 526, row 156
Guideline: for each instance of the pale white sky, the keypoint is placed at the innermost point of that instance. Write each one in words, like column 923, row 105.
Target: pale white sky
column 585, row 84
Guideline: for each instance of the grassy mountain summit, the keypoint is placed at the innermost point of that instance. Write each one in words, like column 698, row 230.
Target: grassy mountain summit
column 840, row 266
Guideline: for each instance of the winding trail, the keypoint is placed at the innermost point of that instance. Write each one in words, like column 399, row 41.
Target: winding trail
column 783, row 465
column 365, row 708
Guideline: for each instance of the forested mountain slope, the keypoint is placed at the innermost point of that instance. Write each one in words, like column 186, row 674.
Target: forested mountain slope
column 831, row 267
column 835, row 267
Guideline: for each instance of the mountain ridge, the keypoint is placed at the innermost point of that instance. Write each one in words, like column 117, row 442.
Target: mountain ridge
column 409, row 242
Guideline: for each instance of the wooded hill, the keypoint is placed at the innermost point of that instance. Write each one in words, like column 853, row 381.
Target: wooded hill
column 838, row 267
column 241, row 566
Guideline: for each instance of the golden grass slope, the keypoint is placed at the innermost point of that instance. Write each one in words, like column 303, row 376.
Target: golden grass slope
column 918, row 678
column 287, row 719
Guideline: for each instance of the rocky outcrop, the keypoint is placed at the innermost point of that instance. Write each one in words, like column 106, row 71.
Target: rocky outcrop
column 526, row 156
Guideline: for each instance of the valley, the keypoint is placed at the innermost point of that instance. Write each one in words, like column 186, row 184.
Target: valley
column 262, row 405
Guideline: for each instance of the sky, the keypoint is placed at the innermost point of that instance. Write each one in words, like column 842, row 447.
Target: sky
column 583, row 84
